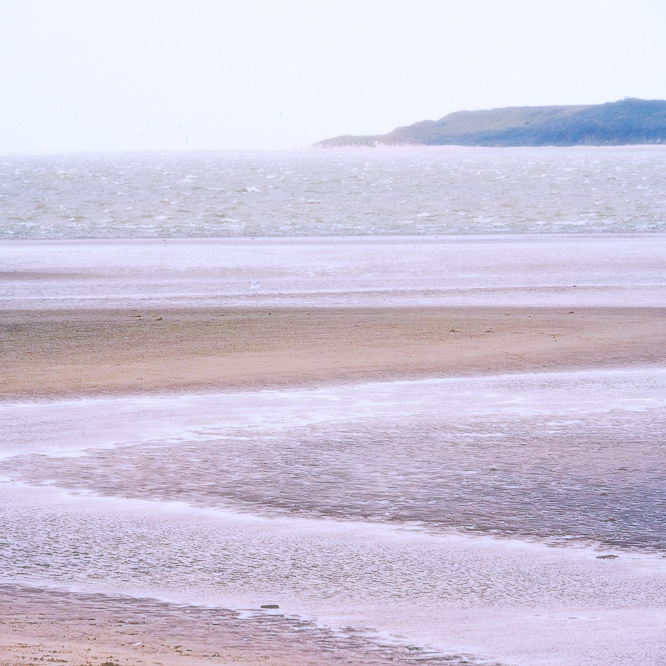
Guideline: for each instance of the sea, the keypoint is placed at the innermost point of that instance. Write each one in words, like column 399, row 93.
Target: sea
column 507, row 519
column 387, row 192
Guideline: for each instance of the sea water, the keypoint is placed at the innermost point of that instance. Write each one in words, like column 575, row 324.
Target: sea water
column 425, row 191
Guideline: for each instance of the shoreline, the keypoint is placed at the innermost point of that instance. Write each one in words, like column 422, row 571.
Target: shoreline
column 43, row 624
column 393, row 238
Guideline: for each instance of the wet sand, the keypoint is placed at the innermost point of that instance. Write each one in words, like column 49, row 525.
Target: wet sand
column 391, row 594
column 82, row 629
column 71, row 353
column 48, row 353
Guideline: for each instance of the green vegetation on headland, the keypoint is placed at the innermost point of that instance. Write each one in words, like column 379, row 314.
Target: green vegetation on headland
column 630, row 121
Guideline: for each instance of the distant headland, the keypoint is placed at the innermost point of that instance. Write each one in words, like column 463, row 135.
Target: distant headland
column 627, row 122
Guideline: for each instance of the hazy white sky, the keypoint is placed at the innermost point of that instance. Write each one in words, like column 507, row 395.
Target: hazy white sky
column 206, row 75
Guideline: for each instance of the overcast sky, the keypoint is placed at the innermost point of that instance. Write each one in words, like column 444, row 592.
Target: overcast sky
column 209, row 75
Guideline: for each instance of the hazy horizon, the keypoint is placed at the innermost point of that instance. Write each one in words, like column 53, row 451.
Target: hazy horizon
column 172, row 76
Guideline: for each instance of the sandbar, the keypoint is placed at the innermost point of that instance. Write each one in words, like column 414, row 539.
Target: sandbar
column 55, row 353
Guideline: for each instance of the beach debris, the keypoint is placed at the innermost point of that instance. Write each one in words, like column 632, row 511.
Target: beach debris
column 270, row 606
column 607, row 557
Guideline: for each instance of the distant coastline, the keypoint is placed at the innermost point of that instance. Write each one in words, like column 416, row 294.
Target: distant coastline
column 627, row 122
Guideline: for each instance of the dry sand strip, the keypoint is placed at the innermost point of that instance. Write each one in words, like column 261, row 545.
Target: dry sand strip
column 38, row 626
column 88, row 352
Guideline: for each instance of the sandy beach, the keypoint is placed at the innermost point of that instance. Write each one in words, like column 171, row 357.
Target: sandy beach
column 49, row 353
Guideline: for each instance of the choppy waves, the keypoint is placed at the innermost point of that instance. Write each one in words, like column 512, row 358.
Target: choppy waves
column 329, row 193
